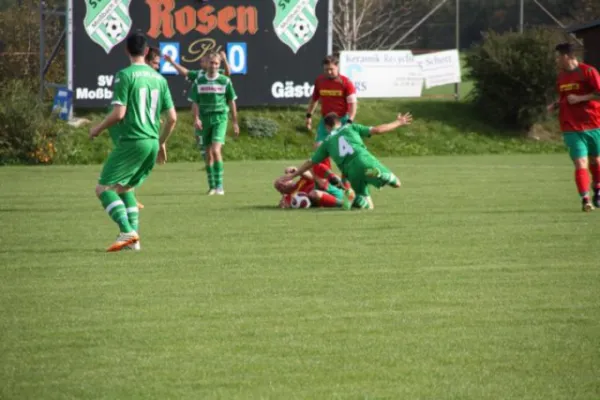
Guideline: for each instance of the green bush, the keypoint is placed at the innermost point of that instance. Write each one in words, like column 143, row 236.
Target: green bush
column 259, row 127
column 27, row 132
column 514, row 76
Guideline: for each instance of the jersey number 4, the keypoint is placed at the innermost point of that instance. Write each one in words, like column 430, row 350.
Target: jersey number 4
column 144, row 109
column 344, row 147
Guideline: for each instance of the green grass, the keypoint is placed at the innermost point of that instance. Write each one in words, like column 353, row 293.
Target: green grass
column 441, row 127
column 478, row 279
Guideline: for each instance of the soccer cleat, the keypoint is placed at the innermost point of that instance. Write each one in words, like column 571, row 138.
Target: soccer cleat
column 348, row 199
column 586, row 205
column 211, row 192
column 124, row 240
column 596, row 198
column 220, row 192
column 139, row 205
column 336, row 181
column 136, row 246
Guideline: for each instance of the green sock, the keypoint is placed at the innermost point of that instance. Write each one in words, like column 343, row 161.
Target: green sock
column 133, row 212
column 210, row 175
column 389, row 178
column 218, row 174
column 361, row 202
column 115, row 208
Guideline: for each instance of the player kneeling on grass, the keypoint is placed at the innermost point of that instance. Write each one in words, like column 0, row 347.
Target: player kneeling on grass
column 359, row 167
column 140, row 95
column 315, row 187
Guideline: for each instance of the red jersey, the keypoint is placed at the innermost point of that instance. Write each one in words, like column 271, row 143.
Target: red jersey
column 581, row 116
column 335, row 94
column 302, row 186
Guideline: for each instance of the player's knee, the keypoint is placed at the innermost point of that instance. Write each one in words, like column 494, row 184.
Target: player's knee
column 122, row 189
column 101, row 189
column 314, row 196
column 581, row 162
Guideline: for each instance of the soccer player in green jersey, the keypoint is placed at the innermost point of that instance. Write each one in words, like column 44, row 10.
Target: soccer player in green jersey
column 140, row 96
column 153, row 60
column 192, row 75
column 359, row 167
column 212, row 96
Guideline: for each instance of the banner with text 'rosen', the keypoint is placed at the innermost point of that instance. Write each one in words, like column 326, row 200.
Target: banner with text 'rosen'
column 274, row 47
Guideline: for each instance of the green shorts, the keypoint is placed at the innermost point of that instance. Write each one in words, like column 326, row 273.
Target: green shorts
column 583, row 144
column 214, row 129
column 322, row 131
column 355, row 173
column 114, row 135
column 130, row 163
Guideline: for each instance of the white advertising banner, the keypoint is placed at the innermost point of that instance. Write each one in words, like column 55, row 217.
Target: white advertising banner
column 381, row 74
column 440, row 68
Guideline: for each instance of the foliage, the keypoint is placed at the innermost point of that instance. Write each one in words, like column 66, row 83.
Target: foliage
column 440, row 128
column 514, row 76
column 21, row 44
column 27, row 133
column 260, row 127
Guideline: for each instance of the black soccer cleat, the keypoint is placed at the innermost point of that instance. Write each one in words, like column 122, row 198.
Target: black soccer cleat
column 596, row 198
column 336, row 181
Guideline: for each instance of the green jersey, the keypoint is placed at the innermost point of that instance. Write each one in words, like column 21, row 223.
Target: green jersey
column 212, row 95
column 193, row 75
column 146, row 95
column 343, row 145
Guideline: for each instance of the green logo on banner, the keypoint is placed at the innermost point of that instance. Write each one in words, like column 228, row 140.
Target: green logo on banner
column 107, row 22
column 295, row 22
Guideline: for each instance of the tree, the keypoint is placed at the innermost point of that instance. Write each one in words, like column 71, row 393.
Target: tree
column 372, row 24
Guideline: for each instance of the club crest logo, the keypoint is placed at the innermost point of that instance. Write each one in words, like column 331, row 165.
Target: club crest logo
column 295, row 22
column 107, row 22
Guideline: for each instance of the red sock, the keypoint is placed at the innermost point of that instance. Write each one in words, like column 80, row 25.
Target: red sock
column 328, row 200
column 582, row 179
column 595, row 170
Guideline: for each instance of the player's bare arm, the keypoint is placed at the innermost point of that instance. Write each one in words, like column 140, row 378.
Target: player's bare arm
column 234, row 118
column 301, row 170
column 576, row 99
column 312, row 105
column 115, row 116
column 401, row 120
column 353, row 106
column 196, row 114
column 226, row 67
column 180, row 69
column 168, row 128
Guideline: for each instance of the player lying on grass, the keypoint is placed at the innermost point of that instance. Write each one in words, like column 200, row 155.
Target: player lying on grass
column 359, row 167
column 314, row 185
column 153, row 60
column 140, row 96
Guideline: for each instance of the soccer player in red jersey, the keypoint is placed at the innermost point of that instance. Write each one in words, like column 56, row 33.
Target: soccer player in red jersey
column 315, row 186
column 336, row 93
column 578, row 86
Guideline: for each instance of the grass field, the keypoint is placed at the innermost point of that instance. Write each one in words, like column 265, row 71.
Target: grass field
column 479, row 279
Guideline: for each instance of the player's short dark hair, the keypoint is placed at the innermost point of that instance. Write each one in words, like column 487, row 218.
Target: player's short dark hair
column 331, row 120
column 136, row 44
column 565, row 49
column 153, row 52
column 329, row 60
